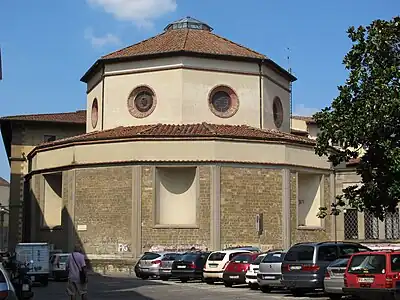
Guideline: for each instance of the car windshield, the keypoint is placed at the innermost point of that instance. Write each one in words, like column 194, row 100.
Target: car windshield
column 242, row 259
column 273, row 257
column 171, row 256
column 216, row 256
column 339, row 263
column 300, row 253
column 368, row 264
column 190, row 257
column 258, row 260
column 150, row 256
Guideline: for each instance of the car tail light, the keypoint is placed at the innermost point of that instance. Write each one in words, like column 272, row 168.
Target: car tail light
column 156, row 262
column 192, row 265
column 310, row 268
column 327, row 275
column 3, row 295
column 161, row 264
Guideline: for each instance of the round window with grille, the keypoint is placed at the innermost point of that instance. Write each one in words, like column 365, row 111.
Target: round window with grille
column 223, row 101
column 95, row 113
column 277, row 110
column 142, row 102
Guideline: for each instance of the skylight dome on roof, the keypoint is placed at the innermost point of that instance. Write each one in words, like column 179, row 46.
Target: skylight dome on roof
column 188, row 22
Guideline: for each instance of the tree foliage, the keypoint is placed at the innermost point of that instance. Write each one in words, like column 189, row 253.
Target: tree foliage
column 365, row 118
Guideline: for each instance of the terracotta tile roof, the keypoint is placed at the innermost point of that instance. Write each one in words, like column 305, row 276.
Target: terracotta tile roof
column 304, row 118
column 188, row 131
column 186, row 40
column 78, row 117
column 4, row 182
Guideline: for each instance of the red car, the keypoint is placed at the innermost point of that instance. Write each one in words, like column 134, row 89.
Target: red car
column 235, row 270
column 373, row 275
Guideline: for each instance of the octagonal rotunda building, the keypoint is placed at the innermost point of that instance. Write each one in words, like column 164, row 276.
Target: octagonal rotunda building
column 188, row 141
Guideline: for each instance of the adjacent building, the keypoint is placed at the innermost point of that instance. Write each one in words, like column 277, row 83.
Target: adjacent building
column 351, row 224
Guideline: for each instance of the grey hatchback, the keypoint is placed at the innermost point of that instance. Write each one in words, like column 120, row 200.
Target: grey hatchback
column 304, row 265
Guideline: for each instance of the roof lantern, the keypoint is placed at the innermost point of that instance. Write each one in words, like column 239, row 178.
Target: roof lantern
column 188, row 23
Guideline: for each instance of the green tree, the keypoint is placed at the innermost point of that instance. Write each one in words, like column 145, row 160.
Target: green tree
column 366, row 117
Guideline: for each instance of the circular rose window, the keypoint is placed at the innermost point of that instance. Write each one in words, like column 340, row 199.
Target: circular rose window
column 95, row 113
column 277, row 110
column 223, row 102
column 142, row 102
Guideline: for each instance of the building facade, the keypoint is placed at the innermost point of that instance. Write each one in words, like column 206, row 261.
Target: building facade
column 187, row 142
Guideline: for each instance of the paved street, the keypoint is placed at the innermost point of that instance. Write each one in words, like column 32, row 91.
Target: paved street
column 119, row 288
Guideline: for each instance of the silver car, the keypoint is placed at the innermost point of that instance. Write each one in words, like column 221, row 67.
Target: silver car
column 269, row 275
column 7, row 290
column 334, row 278
column 149, row 264
column 166, row 265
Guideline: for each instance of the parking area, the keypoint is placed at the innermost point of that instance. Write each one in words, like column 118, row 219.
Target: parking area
column 124, row 287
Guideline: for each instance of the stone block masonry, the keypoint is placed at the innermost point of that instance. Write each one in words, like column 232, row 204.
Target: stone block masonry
column 246, row 192
column 103, row 203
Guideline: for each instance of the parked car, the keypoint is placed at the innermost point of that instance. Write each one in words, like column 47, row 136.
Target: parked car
column 58, row 266
column 7, row 290
column 246, row 248
column 216, row 263
column 251, row 274
column 373, row 275
column 269, row 275
column 235, row 271
column 166, row 265
column 189, row 266
column 334, row 278
column 304, row 265
column 149, row 264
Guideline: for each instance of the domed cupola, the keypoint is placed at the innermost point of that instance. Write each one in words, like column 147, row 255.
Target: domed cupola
column 188, row 23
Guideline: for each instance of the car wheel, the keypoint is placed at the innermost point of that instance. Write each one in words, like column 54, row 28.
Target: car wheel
column 335, row 296
column 253, row 286
column 265, row 289
column 297, row 292
column 228, row 284
column 183, row 280
column 209, row 281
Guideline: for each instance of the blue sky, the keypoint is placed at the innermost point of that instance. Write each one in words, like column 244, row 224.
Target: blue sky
column 47, row 45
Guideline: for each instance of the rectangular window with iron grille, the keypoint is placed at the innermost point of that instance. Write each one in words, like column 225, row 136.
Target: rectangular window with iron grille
column 351, row 224
column 392, row 225
column 371, row 225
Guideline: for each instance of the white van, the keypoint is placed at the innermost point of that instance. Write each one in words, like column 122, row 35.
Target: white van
column 216, row 263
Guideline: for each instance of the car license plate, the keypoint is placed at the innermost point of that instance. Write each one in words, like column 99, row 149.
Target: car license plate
column 365, row 279
column 295, row 268
column 268, row 277
column 25, row 287
column 32, row 278
column 181, row 267
column 234, row 277
column 213, row 266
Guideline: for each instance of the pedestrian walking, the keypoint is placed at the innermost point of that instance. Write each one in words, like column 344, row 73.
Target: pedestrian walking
column 77, row 275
